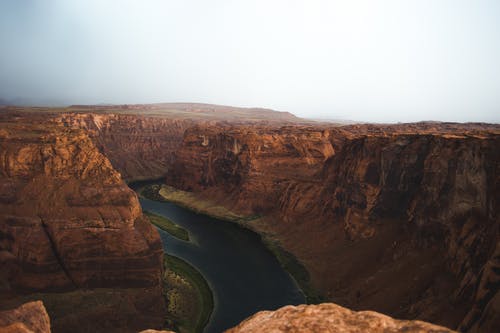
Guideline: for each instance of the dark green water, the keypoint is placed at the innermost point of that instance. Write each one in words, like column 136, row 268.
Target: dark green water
column 244, row 275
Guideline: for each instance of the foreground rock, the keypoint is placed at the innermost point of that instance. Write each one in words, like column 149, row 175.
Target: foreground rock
column 27, row 318
column 330, row 318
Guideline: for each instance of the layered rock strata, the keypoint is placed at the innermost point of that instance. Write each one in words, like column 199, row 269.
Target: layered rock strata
column 69, row 227
column 400, row 219
column 66, row 217
column 139, row 147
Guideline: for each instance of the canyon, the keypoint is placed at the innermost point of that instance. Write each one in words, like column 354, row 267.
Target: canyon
column 399, row 219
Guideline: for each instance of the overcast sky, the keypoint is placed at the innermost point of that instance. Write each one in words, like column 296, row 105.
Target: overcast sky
column 363, row 60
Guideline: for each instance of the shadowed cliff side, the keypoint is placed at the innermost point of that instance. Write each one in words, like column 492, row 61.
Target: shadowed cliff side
column 400, row 219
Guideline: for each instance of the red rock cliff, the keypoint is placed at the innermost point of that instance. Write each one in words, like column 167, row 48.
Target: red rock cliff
column 139, row 147
column 66, row 217
column 140, row 140
column 400, row 219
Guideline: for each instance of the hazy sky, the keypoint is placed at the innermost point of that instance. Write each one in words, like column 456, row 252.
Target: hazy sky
column 399, row 60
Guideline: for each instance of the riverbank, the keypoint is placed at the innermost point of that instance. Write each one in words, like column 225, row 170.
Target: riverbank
column 189, row 298
column 190, row 301
column 192, row 202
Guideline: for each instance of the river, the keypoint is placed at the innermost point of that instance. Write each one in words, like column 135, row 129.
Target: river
column 243, row 274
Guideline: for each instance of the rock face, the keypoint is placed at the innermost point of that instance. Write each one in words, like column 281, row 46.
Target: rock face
column 400, row 219
column 252, row 164
column 139, row 147
column 28, row 318
column 69, row 223
column 329, row 318
column 66, row 217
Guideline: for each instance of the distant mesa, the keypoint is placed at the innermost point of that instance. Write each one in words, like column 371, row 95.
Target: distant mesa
column 222, row 112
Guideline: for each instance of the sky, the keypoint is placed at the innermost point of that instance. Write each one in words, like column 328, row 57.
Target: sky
column 372, row 60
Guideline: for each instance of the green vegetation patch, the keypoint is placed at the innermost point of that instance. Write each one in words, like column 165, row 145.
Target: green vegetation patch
column 295, row 268
column 169, row 226
column 189, row 298
column 191, row 201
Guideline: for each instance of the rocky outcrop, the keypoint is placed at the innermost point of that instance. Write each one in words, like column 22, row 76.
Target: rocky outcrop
column 332, row 318
column 400, row 219
column 27, row 318
column 328, row 317
column 67, row 219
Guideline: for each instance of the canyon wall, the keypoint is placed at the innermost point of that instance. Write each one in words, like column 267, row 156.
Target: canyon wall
column 139, row 147
column 68, row 225
column 140, row 140
column 399, row 219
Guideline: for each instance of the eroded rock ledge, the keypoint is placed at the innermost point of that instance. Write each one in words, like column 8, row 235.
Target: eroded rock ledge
column 325, row 318
column 330, row 318
column 27, row 318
